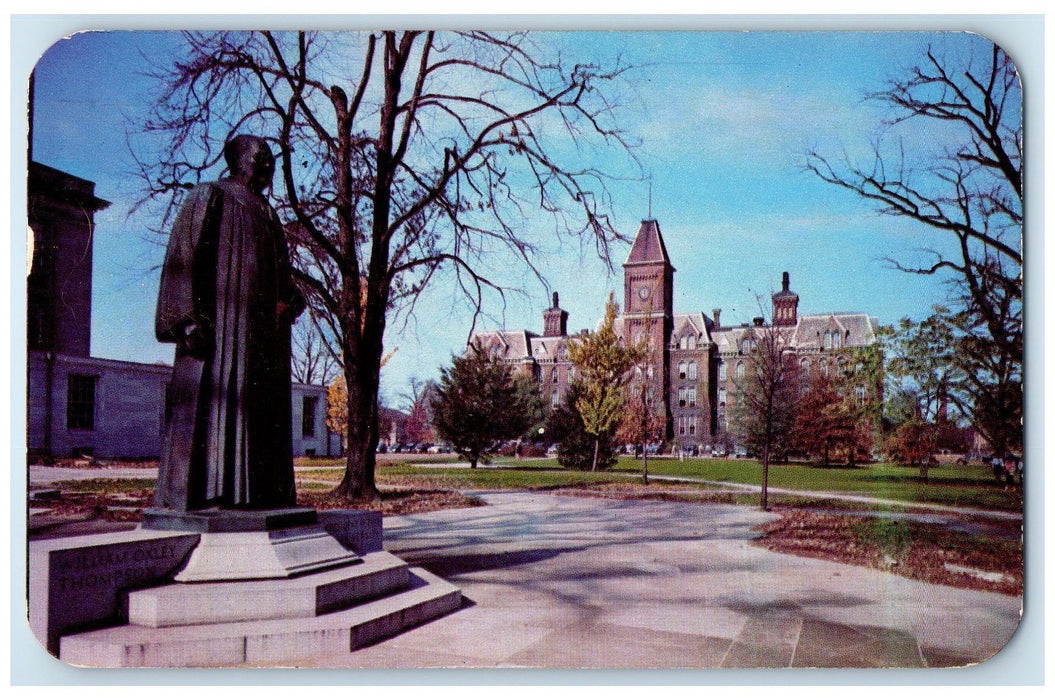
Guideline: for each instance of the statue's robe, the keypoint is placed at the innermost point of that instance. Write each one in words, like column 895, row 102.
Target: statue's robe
column 228, row 439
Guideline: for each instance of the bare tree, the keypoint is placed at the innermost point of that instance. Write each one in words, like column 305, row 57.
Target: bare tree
column 766, row 396
column 968, row 195
column 313, row 361
column 403, row 157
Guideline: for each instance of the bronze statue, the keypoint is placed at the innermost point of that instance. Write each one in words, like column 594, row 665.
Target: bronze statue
column 228, row 301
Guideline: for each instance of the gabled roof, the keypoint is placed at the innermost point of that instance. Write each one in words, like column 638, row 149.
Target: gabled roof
column 509, row 345
column 696, row 322
column 648, row 246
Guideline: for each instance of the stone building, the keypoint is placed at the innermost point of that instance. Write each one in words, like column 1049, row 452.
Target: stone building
column 83, row 405
column 693, row 362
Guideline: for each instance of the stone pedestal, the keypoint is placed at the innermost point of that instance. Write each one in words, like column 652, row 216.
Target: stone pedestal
column 262, row 544
column 221, row 588
column 77, row 583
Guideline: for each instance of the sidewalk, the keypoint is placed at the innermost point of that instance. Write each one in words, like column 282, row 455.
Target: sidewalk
column 561, row 582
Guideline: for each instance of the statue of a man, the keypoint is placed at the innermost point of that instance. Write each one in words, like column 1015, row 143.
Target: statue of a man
column 227, row 300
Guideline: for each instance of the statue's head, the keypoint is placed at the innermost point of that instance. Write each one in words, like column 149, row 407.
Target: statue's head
column 250, row 161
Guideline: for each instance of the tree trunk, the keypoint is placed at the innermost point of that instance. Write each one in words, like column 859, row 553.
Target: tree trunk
column 596, row 449
column 765, row 476
column 361, row 435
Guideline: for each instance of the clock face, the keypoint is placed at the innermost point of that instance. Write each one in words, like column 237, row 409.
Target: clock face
column 643, row 292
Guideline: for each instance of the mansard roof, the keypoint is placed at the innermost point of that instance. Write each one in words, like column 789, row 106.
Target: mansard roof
column 857, row 329
column 648, row 246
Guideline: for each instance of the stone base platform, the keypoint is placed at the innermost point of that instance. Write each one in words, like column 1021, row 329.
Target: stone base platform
column 274, row 642
column 214, row 594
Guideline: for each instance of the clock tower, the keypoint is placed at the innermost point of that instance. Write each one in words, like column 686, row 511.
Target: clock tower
column 648, row 301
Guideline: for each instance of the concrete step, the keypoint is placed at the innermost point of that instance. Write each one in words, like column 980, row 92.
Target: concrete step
column 265, row 642
column 180, row 604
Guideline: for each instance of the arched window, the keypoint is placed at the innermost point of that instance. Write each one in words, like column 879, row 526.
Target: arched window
column 692, row 397
column 721, row 371
column 692, row 370
column 739, row 370
column 556, row 374
column 554, row 398
column 682, row 370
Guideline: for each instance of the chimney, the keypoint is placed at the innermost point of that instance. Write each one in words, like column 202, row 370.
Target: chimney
column 554, row 320
column 785, row 304
column 717, row 318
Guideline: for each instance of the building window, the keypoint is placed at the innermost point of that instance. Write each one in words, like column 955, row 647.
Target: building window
column 837, row 341
column 692, row 397
column 681, row 425
column 80, row 402
column 684, row 342
column 739, row 370
column 307, row 418
column 721, row 396
column 692, row 342
column 682, row 396
column 692, row 426
column 692, row 370
column 554, row 399
column 721, row 371
column 682, row 370
column 859, row 392
column 555, row 374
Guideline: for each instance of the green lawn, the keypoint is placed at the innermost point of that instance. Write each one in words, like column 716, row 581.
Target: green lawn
column 967, row 486
column 949, row 484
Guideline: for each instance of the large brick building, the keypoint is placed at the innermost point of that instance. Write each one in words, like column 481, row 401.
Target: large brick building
column 693, row 361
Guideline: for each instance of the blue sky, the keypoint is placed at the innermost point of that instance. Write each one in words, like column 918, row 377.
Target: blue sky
column 724, row 120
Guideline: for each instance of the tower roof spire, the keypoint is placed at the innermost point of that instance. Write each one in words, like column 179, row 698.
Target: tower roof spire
column 648, row 246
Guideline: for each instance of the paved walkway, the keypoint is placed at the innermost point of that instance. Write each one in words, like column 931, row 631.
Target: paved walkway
column 562, row 582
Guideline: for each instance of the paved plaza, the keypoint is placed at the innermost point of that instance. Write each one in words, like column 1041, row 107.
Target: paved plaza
column 561, row 582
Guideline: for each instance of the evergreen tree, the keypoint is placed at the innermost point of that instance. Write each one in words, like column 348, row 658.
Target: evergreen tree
column 575, row 448
column 479, row 403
